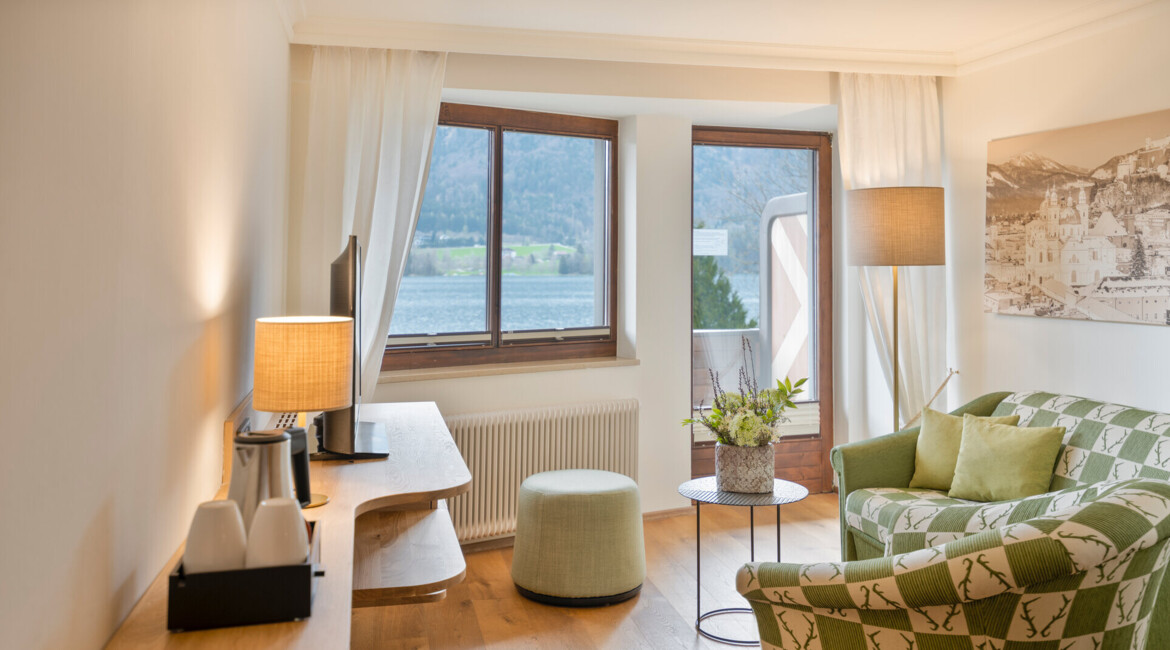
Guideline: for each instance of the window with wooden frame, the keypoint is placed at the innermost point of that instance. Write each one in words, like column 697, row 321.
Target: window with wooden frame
column 762, row 272
column 514, row 255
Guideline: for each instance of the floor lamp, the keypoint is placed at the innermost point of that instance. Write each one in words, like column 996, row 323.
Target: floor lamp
column 896, row 226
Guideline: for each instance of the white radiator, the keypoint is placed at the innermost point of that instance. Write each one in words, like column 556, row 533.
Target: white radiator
column 502, row 449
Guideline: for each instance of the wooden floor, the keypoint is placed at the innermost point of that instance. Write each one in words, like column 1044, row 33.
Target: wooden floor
column 485, row 610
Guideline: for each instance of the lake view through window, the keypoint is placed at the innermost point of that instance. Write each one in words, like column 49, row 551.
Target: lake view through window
column 514, row 238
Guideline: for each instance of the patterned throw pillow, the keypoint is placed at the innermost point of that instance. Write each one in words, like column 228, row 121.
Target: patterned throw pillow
column 998, row 462
column 938, row 448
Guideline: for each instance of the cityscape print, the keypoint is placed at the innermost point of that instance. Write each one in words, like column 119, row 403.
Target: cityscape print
column 1078, row 222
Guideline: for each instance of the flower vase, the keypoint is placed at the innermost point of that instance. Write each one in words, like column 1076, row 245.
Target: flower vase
column 745, row 469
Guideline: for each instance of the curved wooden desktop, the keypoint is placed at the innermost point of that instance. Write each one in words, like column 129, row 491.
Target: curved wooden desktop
column 386, row 539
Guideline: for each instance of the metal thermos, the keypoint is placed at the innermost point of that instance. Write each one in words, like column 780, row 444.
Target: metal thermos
column 261, row 469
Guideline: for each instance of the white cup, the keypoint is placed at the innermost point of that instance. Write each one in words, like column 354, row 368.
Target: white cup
column 216, row 539
column 278, row 536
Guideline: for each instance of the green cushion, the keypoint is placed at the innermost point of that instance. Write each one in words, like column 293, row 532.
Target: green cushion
column 998, row 462
column 938, row 448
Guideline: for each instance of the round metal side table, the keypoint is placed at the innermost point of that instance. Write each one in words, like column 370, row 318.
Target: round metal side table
column 703, row 490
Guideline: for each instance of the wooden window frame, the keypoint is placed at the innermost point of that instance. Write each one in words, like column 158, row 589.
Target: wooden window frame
column 500, row 121
column 821, row 146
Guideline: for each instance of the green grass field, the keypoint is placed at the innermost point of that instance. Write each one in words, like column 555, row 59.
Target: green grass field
column 527, row 259
column 540, row 250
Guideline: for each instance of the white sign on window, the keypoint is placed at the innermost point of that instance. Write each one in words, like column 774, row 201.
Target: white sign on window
column 706, row 241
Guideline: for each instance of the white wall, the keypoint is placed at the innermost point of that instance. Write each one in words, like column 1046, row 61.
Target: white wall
column 143, row 149
column 1110, row 75
column 624, row 79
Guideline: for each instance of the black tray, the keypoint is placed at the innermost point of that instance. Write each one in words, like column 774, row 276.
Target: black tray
column 245, row 596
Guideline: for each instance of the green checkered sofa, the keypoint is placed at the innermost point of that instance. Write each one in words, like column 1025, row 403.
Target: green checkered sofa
column 1105, row 444
column 1083, row 576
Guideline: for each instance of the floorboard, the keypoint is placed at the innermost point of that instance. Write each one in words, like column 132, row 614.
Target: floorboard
column 484, row 611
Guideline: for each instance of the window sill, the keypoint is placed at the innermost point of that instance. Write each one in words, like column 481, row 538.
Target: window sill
column 490, row 369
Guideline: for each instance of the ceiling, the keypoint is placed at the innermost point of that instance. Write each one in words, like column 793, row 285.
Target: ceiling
column 922, row 36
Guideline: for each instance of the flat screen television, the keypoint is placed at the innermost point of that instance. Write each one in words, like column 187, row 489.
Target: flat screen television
column 343, row 433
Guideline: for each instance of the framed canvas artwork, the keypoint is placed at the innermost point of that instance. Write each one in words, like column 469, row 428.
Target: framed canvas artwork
column 1078, row 222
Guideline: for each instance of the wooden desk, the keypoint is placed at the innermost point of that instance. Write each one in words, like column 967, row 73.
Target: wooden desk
column 391, row 510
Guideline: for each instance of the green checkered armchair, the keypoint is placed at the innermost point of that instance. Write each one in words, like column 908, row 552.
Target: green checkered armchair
column 1104, row 444
column 1085, row 575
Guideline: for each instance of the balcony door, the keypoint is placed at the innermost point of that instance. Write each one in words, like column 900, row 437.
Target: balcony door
column 762, row 284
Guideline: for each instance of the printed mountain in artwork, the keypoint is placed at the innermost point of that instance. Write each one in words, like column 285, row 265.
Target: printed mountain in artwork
column 1080, row 242
column 1011, row 185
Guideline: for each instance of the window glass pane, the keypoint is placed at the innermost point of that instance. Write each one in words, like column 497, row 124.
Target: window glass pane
column 555, row 205
column 753, row 266
column 445, row 286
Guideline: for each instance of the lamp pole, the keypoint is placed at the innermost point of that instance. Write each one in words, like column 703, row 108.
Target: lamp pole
column 895, row 268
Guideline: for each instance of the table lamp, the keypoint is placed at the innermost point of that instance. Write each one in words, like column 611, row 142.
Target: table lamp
column 303, row 363
column 896, row 226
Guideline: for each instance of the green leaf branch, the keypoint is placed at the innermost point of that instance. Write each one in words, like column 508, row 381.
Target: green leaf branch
column 748, row 418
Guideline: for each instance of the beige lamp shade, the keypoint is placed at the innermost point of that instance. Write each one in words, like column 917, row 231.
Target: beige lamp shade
column 896, row 226
column 303, row 363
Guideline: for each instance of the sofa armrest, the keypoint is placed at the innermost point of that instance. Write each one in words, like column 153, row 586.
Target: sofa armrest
column 827, row 584
column 885, row 461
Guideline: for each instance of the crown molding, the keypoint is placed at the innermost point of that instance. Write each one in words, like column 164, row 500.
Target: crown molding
column 1069, row 28
column 613, row 47
column 291, row 12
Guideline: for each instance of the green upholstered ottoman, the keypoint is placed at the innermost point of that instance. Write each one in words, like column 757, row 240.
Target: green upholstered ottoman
column 579, row 538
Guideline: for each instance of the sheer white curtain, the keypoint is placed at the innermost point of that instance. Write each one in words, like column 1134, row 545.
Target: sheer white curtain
column 372, row 119
column 890, row 136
